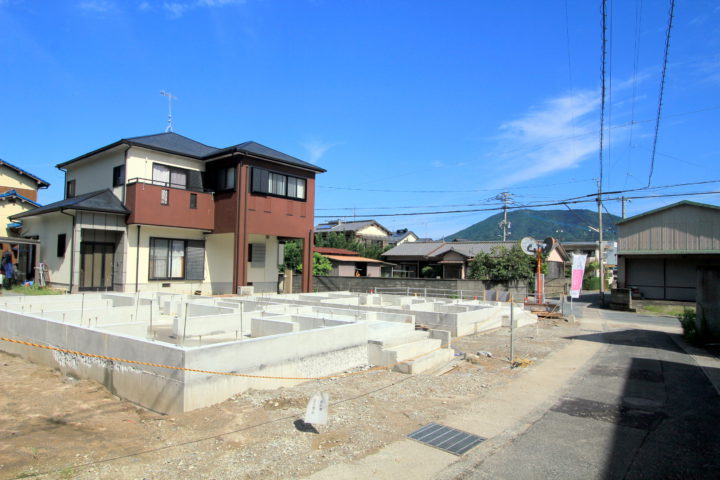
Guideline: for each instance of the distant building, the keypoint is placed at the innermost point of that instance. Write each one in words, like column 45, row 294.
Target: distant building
column 402, row 236
column 346, row 263
column 452, row 259
column 368, row 232
column 659, row 251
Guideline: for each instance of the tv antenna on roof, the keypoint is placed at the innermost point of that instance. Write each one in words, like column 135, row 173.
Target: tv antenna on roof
column 170, row 98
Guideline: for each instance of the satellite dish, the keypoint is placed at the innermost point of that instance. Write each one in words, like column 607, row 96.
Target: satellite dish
column 529, row 245
column 550, row 244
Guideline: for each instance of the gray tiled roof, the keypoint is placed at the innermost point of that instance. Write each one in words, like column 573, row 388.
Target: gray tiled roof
column 171, row 142
column 99, row 201
column 347, row 226
column 436, row 249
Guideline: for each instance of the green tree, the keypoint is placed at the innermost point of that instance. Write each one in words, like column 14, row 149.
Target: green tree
column 293, row 256
column 293, row 260
column 321, row 265
column 503, row 265
column 340, row 240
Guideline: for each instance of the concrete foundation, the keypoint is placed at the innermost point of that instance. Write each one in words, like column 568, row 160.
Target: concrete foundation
column 289, row 337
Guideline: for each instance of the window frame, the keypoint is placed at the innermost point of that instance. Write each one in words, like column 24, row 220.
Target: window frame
column 70, row 186
column 265, row 189
column 220, row 178
column 193, row 201
column 118, row 176
column 171, row 170
column 169, row 259
column 61, row 245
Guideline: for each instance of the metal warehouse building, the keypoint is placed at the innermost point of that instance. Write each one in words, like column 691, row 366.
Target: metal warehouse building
column 659, row 251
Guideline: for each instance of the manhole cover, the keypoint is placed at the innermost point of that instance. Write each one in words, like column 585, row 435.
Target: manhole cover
column 445, row 438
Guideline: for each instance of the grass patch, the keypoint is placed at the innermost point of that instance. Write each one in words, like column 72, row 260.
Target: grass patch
column 670, row 310
column 23, row 290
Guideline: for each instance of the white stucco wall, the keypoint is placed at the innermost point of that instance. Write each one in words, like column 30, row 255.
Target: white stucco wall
column 269, row 272
column 219, row 261
column 96, row 173
column 47, row 228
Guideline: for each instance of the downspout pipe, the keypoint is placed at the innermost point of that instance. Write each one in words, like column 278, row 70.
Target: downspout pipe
column 137, row 260
column 72, row 249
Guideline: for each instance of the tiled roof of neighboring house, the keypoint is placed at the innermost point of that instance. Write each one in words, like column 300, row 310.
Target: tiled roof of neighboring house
column 41, row 183
column 668, row 207
column 436, row 249
column 347, row 258
column 334, row 251
column 99, row 201
column 13, row 194
column 413, row 249
column 173, row 143
column 338, row 226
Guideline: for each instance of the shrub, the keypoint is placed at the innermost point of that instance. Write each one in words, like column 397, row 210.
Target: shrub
column 690, row 331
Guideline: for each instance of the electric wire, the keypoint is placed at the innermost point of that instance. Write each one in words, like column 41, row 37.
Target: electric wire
column 662, row 90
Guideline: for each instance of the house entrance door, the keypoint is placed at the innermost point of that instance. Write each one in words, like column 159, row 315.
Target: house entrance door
column 96, row 265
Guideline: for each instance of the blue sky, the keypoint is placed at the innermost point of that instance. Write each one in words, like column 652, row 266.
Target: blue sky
column 425, row 104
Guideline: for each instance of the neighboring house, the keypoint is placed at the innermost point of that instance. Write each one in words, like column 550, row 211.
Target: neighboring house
column 368, row 232
column 659, row 251
column 402, row 236
column 346, row 263
column 452, row 259
column 18, row 194
column 166, row 212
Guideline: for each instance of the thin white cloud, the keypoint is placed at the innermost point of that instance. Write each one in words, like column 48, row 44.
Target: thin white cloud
column 556, row 136
column 179, row 8
column 316, row 149
column 97, row 6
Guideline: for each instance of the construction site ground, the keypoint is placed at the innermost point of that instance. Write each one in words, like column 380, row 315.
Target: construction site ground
column 53, row 426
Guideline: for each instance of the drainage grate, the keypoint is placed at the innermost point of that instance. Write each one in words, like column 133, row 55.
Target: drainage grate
column 445, row 438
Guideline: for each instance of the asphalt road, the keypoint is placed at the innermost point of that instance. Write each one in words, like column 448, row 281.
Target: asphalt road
column 641, row 408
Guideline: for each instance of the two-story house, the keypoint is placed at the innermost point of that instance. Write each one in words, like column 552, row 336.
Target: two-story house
column 368, row 232
column 166, row 212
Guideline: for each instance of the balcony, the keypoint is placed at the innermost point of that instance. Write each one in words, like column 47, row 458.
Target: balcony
column 156, row 204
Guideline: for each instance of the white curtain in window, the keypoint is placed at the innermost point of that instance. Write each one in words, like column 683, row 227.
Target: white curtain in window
column 178, row 179
column 160, row 174
column 177, row 259
column 159, row 258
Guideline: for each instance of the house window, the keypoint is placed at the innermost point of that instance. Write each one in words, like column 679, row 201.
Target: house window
column 277, row 184
column 193, row 201
column 225, row 179
column 256, row 254
column 169, row 176
column 119, row 176
column 172, row 259
column 164, row 196
column 70, row 189
column 61, row 241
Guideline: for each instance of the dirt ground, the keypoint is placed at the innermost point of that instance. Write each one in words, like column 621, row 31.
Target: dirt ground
column 53, row 426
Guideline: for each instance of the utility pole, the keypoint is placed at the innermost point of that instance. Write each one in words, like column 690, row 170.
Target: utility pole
column 622, row 200
column 505, row 197
column 600, row 233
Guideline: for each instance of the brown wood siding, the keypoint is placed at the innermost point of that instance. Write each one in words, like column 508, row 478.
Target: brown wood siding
column 685, row 228
column 25, row 192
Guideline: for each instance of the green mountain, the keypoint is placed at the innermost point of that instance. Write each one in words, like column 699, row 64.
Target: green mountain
column 562, row 224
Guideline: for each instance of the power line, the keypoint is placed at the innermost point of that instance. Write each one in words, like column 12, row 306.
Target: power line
column 530, row 206
column 354, row 189
column 662, row 90
column 602, row 85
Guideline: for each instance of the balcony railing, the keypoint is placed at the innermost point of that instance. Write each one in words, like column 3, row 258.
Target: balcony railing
column 158, row 203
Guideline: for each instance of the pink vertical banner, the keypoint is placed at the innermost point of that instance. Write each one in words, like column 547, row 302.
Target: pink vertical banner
column 578, row 271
